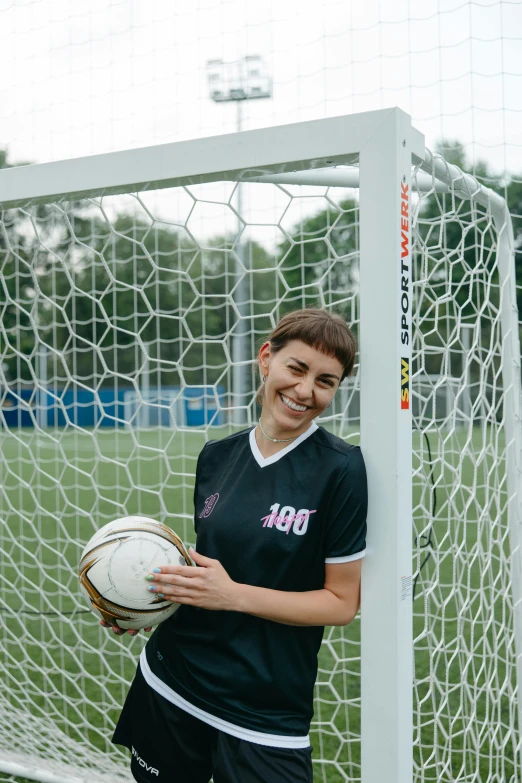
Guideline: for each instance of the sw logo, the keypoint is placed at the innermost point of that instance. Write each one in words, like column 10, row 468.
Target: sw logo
column 405, row 384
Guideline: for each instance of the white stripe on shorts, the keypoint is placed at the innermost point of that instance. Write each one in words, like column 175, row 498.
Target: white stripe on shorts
column 272, row 740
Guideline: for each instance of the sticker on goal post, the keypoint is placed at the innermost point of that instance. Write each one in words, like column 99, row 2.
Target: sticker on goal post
column 404, row 291
column 405, row 384
column 405, row 587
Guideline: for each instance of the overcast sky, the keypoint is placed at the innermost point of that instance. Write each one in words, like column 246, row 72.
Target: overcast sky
column 83, row 78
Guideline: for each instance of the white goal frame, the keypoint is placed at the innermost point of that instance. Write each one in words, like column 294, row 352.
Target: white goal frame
column 385, row 145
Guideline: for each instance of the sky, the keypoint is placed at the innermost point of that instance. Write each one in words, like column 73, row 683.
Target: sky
column 85, row 78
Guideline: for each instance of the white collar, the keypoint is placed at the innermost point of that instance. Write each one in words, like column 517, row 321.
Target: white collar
column 264, row 461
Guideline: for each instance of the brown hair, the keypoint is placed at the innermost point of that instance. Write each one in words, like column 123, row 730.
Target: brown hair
column 324, row 331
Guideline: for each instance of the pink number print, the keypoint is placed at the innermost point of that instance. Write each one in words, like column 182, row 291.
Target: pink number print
column 208, row 508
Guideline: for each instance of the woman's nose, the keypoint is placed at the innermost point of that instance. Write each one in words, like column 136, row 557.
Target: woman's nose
column 304, row 388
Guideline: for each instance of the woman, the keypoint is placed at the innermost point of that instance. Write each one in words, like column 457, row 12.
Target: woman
column 224, row 688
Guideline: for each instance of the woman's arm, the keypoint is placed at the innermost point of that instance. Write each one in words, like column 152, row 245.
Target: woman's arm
column 336, row 604
column 210, row 587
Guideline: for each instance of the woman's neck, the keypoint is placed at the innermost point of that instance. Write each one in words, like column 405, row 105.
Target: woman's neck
column 268, row 446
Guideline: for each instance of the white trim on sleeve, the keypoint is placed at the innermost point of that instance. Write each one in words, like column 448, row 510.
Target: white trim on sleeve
column 346, row 558
column 258, row 737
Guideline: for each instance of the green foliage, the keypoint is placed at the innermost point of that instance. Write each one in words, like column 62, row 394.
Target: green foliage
column 104, row 291
column 510, row 188
column 458, row 256
column 321, row 257
column 112, row 292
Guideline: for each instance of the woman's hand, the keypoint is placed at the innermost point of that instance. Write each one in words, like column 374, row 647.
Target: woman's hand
column 208, row 587
column 120, row 631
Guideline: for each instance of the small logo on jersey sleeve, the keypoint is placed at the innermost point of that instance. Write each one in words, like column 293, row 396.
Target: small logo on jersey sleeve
column 209, row 506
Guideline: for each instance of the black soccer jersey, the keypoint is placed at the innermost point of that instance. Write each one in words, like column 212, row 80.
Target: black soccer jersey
column 272, row 523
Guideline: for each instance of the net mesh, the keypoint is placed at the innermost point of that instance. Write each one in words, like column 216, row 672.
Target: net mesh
column 128, row 329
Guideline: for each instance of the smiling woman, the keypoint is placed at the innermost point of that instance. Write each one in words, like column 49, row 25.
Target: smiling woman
column 224, row 688
column 302, row 364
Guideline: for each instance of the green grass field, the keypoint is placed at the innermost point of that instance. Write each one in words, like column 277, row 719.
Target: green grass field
column 59, row 666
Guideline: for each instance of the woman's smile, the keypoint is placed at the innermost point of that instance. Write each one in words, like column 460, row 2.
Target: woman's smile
column 291, row 405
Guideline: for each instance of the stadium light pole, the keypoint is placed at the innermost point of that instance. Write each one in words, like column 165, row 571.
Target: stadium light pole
column 235, row 82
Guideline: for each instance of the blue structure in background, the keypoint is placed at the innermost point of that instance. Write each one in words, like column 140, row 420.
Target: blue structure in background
column 165, row 407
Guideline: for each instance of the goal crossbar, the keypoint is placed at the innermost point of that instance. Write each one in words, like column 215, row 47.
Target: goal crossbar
column 306, row 145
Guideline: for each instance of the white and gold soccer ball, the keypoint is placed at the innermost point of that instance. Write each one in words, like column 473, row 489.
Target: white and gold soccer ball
column 114, row 566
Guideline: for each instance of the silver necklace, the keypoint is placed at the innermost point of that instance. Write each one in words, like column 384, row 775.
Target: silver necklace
column 276, row 440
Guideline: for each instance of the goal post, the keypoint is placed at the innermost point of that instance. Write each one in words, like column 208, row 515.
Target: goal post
column 134, row 284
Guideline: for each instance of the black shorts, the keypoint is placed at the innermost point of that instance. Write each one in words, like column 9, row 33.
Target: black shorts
column 168, row 745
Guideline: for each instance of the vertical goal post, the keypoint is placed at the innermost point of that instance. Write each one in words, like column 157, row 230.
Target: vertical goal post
column 382, row 156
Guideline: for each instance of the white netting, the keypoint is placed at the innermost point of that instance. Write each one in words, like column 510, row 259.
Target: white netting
column 465, row 681
column 128, row 328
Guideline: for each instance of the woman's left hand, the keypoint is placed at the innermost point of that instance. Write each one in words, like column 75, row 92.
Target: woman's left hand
column 208, row 587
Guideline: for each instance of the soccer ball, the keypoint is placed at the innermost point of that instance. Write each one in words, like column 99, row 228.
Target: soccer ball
column 113, row 567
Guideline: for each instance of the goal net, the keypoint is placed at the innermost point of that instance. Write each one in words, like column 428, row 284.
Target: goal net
column 130, row 323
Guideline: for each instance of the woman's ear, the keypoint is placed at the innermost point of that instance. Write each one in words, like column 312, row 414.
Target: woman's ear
column 263, row 357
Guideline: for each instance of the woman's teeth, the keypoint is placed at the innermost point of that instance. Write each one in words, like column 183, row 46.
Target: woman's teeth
column 292, row 405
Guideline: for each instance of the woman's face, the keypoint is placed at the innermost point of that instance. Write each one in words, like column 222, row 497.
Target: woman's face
column 300, row 384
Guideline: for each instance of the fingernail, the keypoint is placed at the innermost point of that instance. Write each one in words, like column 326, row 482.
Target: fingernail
column 149, row 577
column 157, row 571
column 191, row 549
column 160, row 595
column 152, row 588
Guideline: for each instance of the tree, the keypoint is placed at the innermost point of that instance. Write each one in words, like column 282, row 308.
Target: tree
column 319, row 258
column 17, row 293
column 118, row 294
column 105, row 290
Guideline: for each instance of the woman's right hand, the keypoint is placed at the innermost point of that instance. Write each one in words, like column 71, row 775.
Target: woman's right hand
column 120, row 631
